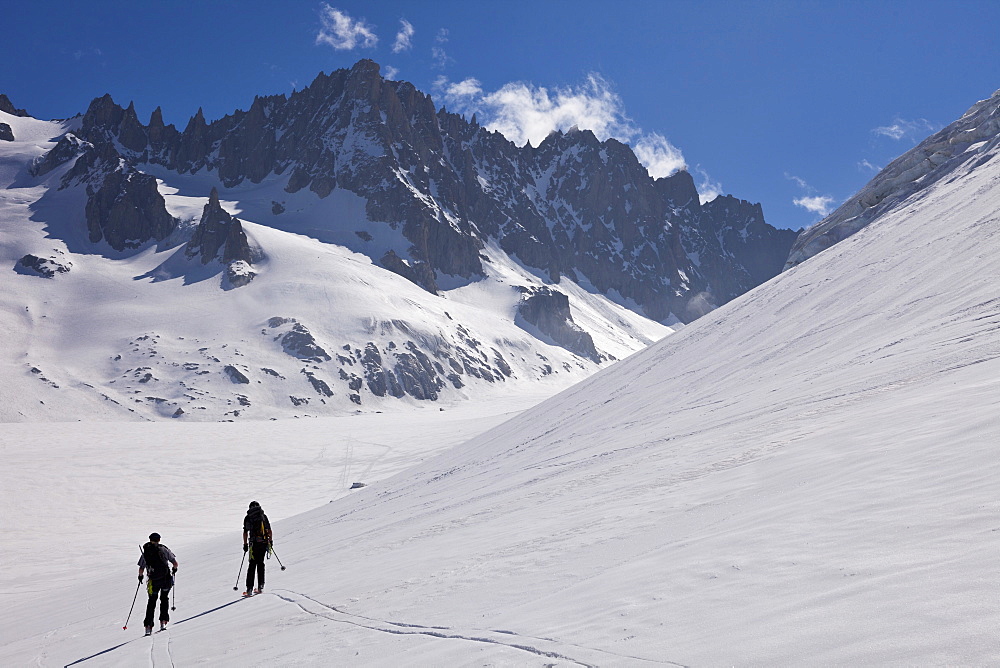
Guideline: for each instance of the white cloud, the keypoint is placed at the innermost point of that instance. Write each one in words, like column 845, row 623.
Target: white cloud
column 343, row 33
column 463, row 91
column 660, row 157
column 707, row 189
column 819, row 204
column 524, row 112
column 403, row 37
column 901, row 128
column 390, row 72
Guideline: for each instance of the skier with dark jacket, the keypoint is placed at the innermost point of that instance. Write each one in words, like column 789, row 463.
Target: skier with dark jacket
column 161, row 578
column 257, row 541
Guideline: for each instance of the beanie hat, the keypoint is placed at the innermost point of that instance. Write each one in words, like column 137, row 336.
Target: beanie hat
column 155, row 537
column 254, row 504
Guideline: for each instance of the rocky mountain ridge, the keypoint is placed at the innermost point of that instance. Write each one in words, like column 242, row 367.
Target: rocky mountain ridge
column 573, row 206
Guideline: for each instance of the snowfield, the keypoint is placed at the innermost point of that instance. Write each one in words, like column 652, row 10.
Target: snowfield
column 806, row 476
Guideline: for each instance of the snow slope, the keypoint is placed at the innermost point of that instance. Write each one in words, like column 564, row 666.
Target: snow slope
column 151, row 334
column 804, row 476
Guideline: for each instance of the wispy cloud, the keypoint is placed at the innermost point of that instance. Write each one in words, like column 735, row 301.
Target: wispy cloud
column 818, row 204
column 390, row 72
column 901, row 128
column 821, row 205
column 438, row 54
column 866, row 166
column 524, row 112
column 404, row 37
column 801, row 183
column 707, row 188
column 342, row 32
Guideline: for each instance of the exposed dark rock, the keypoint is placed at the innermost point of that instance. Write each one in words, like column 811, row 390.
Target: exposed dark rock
column 277, row 208
column 371, row 362
column 219, row 236
column 321, row 386
column 354, row 382
column 127, row 211
column 300, row 343
column 549, row 311
column 67, row 148
column 44, row 267
column 7, row 106
column 415, row 378
column 239, row 274
column 417, row 272
column 235, row 374
column 6, row 133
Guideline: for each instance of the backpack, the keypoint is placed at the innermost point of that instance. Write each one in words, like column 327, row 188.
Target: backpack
column 257, row 524
column 155, row 563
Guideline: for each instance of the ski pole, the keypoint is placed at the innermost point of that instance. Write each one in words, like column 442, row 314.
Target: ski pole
column 174, row 606
column 133, row 605
column 237, row 586
column 134, row 597
column 277, row 557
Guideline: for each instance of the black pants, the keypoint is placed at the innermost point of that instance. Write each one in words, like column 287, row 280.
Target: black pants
column 258, row 550
column 159, row 588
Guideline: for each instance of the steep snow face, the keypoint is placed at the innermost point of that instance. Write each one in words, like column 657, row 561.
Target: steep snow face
column 951, row 153
column 805, row 475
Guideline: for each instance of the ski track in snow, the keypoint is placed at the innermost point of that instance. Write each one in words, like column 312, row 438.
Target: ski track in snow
column 160, row 655
column 593, row 657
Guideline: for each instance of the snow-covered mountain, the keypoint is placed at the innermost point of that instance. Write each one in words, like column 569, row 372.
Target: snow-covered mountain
column 806, row 475
column 951, row 153
column 341, row 249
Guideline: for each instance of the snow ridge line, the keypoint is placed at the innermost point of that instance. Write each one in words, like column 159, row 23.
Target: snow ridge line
column 488, row 637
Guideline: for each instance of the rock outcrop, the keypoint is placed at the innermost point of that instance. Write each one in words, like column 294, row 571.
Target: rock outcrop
column 43, row 267
column 6, row 133
column 127, row 210
column 69, row 147
column 219, row 236
column 7, row 106
column 549, row 311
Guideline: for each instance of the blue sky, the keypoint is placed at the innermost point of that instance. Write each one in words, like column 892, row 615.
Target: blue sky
column 774, row 102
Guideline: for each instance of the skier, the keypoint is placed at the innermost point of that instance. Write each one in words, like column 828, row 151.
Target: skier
column 257, row 529
column 154, row 561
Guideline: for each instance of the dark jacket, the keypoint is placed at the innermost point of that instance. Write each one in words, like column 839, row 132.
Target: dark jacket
column 257, row 525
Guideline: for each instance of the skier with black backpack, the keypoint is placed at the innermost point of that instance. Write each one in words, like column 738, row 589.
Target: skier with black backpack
column 154, row 562
column 257, row 541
